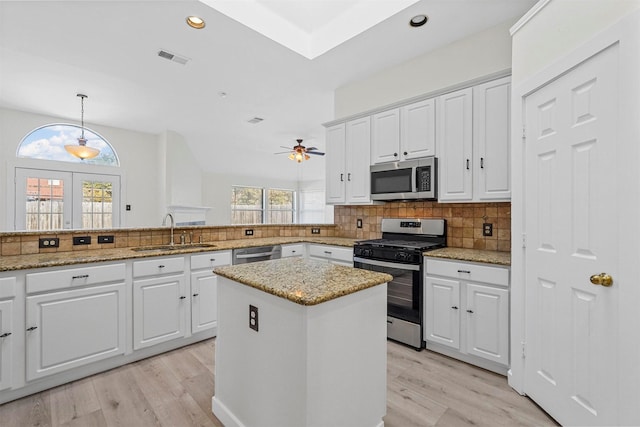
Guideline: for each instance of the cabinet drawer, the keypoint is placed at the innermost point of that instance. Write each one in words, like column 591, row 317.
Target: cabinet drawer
column 155, row 266
column 73, row 277
column 467, row 271
column 292, row 250
column 210, row 260
column 331, row 252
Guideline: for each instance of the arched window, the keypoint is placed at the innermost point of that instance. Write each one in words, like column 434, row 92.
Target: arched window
column 47, row 143
column 62, row 197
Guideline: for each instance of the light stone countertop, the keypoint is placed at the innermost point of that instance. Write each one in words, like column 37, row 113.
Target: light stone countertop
column 473, row 255
column 54, row 259
column 303, row 281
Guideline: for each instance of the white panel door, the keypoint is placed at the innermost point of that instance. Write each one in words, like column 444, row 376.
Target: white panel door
column 335, row 163
column 487, row 326
column 492, row 138
column 455, row 145
column 204, row 301
column 6, row 343
column 158, row 310
column 358, row 135
column 442, row 311
column 418, row 129
column 571, row 179
column 73, row 328
column 385, row 136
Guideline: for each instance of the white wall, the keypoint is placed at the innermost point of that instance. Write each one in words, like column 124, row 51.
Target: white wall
column 479, row 55
column 134, row 149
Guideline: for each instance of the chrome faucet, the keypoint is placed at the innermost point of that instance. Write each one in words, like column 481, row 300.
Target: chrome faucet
column 164, row 222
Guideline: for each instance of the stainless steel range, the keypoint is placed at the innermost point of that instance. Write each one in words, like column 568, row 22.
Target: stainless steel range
column 400, row 253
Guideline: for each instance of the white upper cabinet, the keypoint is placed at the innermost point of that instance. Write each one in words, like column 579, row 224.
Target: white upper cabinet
column 385, row 136
column 348, row 161
column 455, row 145
column 492, row 119
column 404, row 133
column 473, row 134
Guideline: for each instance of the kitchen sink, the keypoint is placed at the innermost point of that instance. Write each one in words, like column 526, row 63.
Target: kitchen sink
column 162, row 248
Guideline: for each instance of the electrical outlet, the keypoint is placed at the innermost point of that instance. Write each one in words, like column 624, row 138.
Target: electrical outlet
column 253, row 317
column 82, row 240
column 128, row 207
column 315, row 231
column 359, row 223
column 248, row 232
column 49, row 242
column 487, row 229
column 106, row 239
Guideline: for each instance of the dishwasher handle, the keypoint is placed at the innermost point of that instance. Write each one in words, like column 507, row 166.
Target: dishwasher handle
column 258, row 255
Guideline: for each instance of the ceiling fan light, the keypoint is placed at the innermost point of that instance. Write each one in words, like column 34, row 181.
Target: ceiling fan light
column 292, row 156
column 306, row 157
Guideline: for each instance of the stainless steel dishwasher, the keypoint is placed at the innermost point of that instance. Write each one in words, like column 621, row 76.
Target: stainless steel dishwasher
column 259, row 253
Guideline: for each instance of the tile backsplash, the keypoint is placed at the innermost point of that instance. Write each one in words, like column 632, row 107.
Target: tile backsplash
column 464, row 221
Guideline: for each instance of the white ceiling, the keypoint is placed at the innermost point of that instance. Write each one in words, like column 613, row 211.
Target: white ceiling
column 51, row 50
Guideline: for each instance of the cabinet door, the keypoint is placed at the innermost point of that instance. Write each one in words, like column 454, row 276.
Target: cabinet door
column 289, row 251
column 358, row 135
column 385, row 136
column 204, row 301
column 455, row 151
column 69, row 329
column 442, row 311
column 492, row 118
column 335, row 164
column 6, row 343
column 487, row 315
column 158, row 310
column 418, row 131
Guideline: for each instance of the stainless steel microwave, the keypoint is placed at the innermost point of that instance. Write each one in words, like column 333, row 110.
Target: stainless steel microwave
column 411, row 179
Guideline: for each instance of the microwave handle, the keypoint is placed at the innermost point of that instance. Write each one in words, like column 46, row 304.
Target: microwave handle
column 414, row 186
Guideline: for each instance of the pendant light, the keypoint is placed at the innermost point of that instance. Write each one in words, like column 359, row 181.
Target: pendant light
column 81, row 150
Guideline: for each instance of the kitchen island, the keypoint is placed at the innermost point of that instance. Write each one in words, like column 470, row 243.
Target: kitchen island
column 300, row 343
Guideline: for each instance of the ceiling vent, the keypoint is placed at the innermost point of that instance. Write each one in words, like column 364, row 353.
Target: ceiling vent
column 173, row 57
column 255, row 120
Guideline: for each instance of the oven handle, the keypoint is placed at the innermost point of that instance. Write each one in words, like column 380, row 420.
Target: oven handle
column 387, row 264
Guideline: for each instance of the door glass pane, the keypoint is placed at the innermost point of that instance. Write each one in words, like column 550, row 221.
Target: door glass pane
column 44, row 204
column 97, row 204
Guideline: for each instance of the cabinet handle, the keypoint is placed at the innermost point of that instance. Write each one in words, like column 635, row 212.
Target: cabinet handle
column 212, row 259
column 454, row 307
column 481, row 162
column 6, row 334
column 405, row 153
column 82, row 276
column 195, row 295
column 464, row 271
column 395, row 154
column 470, row 311
column 349, row 176
column 467, row 164
column 293, row 252
column 341, row 177
column 33, row 328
column 328, row 252
column 161, row 266
column 183, row 297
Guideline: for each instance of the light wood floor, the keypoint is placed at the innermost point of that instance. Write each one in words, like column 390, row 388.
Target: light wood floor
column 174, row 389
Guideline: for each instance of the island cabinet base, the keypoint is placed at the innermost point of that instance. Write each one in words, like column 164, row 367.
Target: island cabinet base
column 320, row 365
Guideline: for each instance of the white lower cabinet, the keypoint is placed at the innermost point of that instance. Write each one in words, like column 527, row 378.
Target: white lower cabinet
column 159, row 302
column 68, row 328
column 204, row 289
column 466, row 312
column 295, row 250
column 331, row 254
column 7, row 332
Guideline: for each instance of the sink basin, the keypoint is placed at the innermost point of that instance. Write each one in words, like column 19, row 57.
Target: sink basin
column 161, row 248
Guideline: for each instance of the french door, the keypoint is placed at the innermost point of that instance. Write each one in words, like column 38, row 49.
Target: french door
column 55, row 200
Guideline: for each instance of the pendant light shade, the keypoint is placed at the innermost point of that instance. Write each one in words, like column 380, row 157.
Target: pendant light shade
column 82, row 151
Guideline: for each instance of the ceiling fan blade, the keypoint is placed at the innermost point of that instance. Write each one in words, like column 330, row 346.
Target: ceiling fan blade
column 283, row 152
column 317, row 153
column 288, row 148
column 311, row 148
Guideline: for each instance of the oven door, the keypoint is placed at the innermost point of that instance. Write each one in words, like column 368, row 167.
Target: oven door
column 404, row 292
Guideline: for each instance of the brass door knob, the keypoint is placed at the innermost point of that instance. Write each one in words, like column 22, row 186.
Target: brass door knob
column 602, row 279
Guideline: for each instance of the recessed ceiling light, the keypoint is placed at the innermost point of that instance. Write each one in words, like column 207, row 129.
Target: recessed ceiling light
column 418, row 20
column 195, row 22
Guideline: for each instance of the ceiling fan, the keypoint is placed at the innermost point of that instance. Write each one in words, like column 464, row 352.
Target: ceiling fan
column 299, row 152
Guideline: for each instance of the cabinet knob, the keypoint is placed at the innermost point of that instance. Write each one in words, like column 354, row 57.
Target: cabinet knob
column 405, row 153
column 455, row 307
column 6, row 334
column 195, row 295
column 33, row 328
column 395, row 154
column 183, row 297
column 470, row 311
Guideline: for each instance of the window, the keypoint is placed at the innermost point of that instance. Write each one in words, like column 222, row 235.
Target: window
column 255, row 205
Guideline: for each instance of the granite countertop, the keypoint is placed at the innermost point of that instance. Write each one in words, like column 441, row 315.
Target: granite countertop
column 473, row 255
column 54, row 259
column 303, row 281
